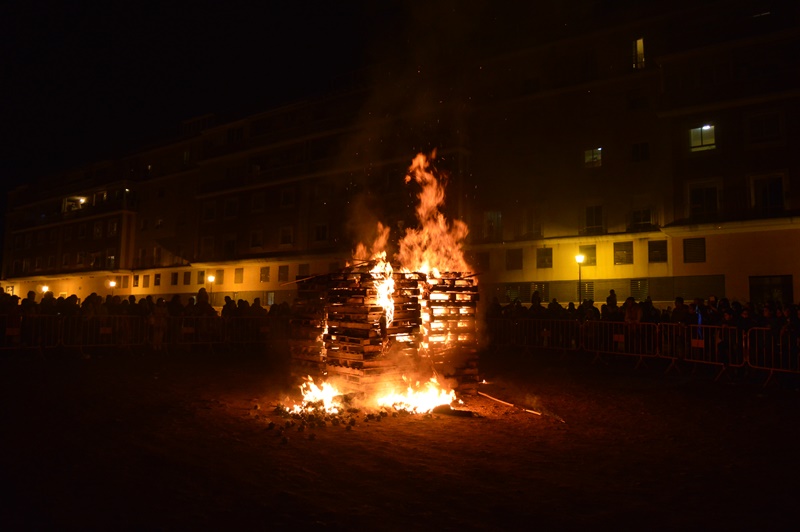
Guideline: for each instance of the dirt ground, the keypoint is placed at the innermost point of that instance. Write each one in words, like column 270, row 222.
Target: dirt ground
column 184, row 441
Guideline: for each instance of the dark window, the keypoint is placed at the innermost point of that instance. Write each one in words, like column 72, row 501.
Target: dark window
column 157, row 279
column 657, row 251
column 703, row 202
column 623, row 252
column 264, row 275
column 513, row 259
column 764, row 128
column 594, row 219
column 173, row 278
column 768, row 195
column 544, row 257
column 304, row 270
column 694, row 250
column 283, row 274
column 187, row 278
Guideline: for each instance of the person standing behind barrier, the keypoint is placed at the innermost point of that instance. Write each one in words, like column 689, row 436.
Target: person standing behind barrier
column 159, row 323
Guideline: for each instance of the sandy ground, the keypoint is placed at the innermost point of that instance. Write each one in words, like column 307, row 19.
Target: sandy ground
column 191, row 441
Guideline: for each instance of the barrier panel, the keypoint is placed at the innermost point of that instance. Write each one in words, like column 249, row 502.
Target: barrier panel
column 10, row 331
column 532, row 333
column 773, row 350
column 637, row 339
column 248, row 331
column 103, row 331
column 709, row 345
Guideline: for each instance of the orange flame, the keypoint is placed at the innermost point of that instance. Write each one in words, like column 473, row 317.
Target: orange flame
column 435, row 246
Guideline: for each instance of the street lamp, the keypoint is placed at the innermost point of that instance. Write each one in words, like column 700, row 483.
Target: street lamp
column 579, row 258
column 112, row 284
column 211, row 292
column 45, row 289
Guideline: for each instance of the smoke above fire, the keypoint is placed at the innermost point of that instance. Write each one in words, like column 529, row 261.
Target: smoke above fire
column 436, row 244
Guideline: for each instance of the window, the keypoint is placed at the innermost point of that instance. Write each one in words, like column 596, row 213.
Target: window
column 702, row 138
column 146, row 281
column 207, row 246
column 623, row 252
column 51, row 261
column 638, row 54
column 593, row 158
column 65, row 260
column 112, row 228
column 483, row 261
column 82, row 230
column 514, row 259
column 157, row 279
column 657, row 251
column 321, row 233
column 286, row 235
column 283, row 274
column 640, row 151
column 157, row 255
column 235, row 134
column 80, row 258
column 589, row 253
column 238, row 275
column 173, row 278
column 68, row 233
column 230, row 245
column 201, row 277
column 219, row 277
column 544, row 257
column 694, row 250
column 111, row 258
column 493, row 225
column 256, row 238
column 766, row 196
column 765, row 128
column 98, row 230
column 125, row 281
column 641, row 220
column 187, row 278
column 304, row 270
column 264, row 274
column 135, row 281
column 594, row 220
column 287, row 197
column 703, row 203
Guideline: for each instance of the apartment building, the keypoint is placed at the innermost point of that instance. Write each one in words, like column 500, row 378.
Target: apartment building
column 657, row 144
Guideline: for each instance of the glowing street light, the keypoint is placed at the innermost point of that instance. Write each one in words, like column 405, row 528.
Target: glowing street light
column 112, row 284
column 579, row 258
column 45, row 289
column 210, row 279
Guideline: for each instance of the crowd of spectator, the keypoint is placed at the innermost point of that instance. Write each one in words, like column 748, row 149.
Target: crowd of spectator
column 96, row 305
column 711, row 311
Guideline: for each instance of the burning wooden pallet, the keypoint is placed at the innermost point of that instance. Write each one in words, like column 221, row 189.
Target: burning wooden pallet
column 307, row 326
column 341, row 325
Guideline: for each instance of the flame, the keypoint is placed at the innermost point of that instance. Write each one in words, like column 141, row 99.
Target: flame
column 436, row 245
column 418, row 399
column 325, row 397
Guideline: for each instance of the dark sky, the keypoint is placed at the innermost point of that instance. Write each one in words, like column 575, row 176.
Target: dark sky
column 85, row 80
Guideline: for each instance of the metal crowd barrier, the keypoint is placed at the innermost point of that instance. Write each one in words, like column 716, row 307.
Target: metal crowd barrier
column 719, row 347
column 44, row 332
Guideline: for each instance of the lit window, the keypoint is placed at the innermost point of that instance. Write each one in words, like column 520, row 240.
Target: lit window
column 238, row 275
column 702, row 138
column 589, row 253
column 593, row 158
column 638, row 54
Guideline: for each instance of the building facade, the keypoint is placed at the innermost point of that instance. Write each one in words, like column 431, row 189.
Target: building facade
column 657, row 144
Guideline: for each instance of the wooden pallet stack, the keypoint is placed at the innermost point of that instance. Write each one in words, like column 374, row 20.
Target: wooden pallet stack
column 358, row 337
column 450, row 314
column 340, row 330
column 307, row 327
